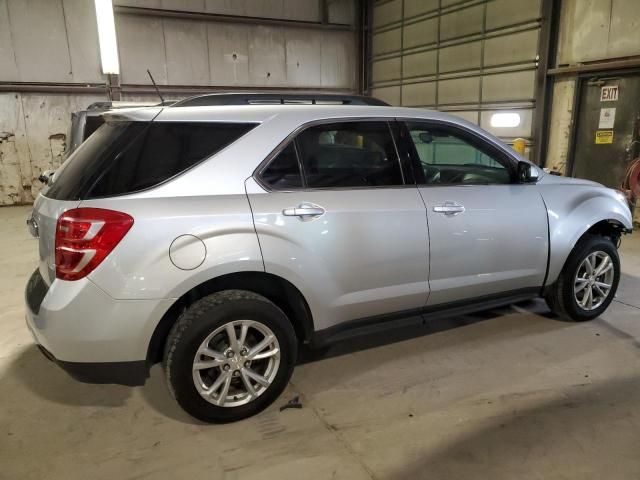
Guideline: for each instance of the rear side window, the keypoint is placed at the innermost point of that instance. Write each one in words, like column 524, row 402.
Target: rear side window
column 125, row 157
column 337, row 155
column 349, row 154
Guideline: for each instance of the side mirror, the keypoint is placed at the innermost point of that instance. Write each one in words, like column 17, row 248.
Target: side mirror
column 425, row 137
column 527, row 173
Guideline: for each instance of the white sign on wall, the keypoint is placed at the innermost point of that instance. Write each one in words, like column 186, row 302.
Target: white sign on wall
column 609, row 94
column 607, row 117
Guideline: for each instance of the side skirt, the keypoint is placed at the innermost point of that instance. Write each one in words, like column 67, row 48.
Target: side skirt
column 380, row 323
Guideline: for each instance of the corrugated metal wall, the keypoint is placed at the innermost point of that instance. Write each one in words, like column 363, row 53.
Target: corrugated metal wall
column 55, row 42
column 473, row 58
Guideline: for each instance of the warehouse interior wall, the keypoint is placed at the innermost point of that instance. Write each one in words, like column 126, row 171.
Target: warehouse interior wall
column 594, row 35
column 560, row 124
column 472, row 58
column 199, row 52
column 41, row 41
column 50, row 63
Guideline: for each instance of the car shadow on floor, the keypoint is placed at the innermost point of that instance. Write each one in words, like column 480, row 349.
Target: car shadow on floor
column 33, row 372
column 628, row 289
column 46, row 380
column 156, row 394
column 626, row 295
column 590, row 431
column 407, row 331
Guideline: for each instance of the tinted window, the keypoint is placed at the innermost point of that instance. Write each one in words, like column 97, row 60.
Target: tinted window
column 448, row 158
column 283, row 172
column 349, row 154
column 92, row 123
column 124, row 157
column 80, row 170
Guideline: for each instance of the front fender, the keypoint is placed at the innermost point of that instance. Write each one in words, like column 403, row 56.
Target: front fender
column 572, row 211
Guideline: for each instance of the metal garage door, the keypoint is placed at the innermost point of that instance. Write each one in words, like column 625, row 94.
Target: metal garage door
column 474, row 58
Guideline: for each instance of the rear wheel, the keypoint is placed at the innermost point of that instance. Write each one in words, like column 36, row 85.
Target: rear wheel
column 229, row 356
column 588, row 282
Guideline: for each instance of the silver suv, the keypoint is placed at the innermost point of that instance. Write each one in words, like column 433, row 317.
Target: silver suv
column 218, row 239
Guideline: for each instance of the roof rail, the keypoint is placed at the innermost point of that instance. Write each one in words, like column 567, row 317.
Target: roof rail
column 248, row 98
column 101, row 107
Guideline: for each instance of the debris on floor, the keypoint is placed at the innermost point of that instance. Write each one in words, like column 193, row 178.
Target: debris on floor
column 293, row 403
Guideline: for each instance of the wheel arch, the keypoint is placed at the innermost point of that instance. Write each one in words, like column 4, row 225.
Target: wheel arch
column 612, row 228
column 576, row 208
column 276, row 289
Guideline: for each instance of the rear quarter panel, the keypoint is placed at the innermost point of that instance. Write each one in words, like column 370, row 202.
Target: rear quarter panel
column 140, row 266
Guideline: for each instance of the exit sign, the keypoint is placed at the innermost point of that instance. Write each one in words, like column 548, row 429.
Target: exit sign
column 609, row 94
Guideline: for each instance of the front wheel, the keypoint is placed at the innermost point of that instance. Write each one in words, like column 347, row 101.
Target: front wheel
column 229, row 356
column 588, row 282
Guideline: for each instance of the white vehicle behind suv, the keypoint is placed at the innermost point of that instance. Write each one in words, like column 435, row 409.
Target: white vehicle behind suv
column 217, row 239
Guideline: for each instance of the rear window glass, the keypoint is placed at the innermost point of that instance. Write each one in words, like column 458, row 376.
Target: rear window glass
column 125, row 157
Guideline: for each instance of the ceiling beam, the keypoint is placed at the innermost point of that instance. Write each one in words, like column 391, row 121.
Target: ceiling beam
column 216, row 17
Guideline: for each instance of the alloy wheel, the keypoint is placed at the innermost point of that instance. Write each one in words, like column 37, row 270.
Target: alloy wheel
column 593, row 280
column 236, row 363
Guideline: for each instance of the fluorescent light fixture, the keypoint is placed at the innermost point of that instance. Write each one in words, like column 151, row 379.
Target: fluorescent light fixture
column 505, row 120
column 107, row 37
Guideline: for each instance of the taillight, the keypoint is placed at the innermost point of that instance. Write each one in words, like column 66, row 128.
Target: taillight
column 84, row 237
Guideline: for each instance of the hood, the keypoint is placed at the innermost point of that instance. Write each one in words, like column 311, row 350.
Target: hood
column 549, row 179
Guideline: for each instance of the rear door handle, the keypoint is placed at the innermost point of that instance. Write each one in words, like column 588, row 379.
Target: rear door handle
column 305, row 211
column 449, row 208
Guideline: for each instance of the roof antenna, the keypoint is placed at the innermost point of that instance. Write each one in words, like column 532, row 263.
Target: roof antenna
column 155, row 86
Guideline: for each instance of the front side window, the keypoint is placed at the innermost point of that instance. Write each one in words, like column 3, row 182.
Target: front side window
column 349, row 154
column 447, row 157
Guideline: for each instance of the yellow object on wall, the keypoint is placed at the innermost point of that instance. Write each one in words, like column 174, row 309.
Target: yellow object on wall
column 604, row 136
column 519, row 145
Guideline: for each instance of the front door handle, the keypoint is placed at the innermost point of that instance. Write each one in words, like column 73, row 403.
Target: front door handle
column 305, row 211
column 449, row 208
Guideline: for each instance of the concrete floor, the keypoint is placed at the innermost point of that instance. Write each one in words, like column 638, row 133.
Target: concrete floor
column 511, row 393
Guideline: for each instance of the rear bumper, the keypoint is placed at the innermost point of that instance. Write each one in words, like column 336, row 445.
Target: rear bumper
column 122, row 373
column 94, row 337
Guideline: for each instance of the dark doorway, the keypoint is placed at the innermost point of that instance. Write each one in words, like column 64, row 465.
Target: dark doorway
column 606, row 128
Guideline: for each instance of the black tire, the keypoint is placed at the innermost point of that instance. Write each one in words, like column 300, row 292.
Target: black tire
column 560, row 296
column 200, row 320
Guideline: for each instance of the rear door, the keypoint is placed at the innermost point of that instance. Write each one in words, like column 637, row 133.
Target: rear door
column 488, row 233
column 336, row 217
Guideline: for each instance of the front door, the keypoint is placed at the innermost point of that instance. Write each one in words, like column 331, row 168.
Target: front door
column 335, row 216
column 488, row 234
